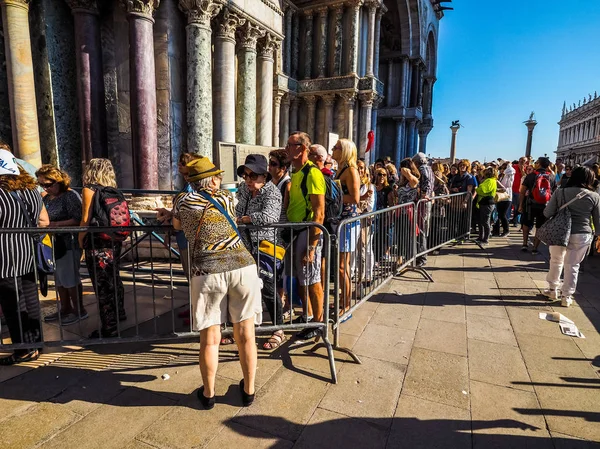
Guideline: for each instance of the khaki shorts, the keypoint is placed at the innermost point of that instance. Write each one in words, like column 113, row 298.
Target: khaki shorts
column 232, row 296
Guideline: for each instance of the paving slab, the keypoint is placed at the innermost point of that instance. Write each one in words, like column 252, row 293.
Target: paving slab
column 492, row 329
column 438, row 377
column 527, row 321
column 442, row 336
column 571, row 405
column 385, row 343
column 562, row 441
column 329, row 429
column 453, row 313
column 356, row 325
column 497, row 423
column 403, row 316
column 498, row 364
column 236, row 435
column 369, row 391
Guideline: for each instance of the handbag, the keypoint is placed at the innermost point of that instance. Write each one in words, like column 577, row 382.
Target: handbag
column 556, row 231
column 502, row 196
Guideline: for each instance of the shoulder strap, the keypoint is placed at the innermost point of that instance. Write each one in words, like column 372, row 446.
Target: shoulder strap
column 23, row 208
column 339, row 175
column 217, row 206
column 577, row 197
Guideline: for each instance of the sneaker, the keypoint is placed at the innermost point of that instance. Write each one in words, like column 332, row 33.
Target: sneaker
column 69, row 319
column 534, row 251
column 567, row 301
column 524, row 249
column 484, row 243
column 307, row 334
column 551, row 294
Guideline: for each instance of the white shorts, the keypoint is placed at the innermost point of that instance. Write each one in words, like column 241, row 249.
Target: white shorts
column 232, row 296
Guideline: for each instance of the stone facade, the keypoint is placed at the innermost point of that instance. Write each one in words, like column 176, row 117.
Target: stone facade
column 579, row 135
column 140, row 81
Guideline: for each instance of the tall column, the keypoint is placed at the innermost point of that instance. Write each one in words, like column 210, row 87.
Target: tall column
column 404, row 82
column 90, row 79
column 277, row 96
column 285, row 122
column 354, row 36
column 288, row 41
column 530, row 124
column 142, row 79
column 295, row 44
column 311, row 103
column 366, row 109
column 322, row 30
column 421, row 83
column 371, row 39
column 308, row 44
column 410, row 138
column 245, row 120
column 414, row 85
column 329, row 101
column 399, row 146
column 224, row 80
column 389, row 88
column 423, row 133
column 293, row 115
column 349, row 101
column 455, row 127
column 380, row 11
column 264, row 118
column 338, row 38
column 21, row 85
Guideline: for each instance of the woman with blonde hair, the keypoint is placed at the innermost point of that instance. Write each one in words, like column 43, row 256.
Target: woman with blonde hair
column 486, row 192
column 102, row 257
column 18, row 289
column 64, row 209
column 345, row 154
column 366, row 205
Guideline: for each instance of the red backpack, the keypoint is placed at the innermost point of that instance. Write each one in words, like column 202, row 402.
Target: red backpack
column 542, row 189
column 110, row 209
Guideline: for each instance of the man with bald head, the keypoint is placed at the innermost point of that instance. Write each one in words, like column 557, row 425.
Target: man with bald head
column 317, row 154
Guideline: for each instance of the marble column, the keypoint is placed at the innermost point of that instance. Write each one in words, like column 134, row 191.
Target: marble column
column 322, row 39
column 421, row 83
column 380, row 11
column 308, row 44
column 264, row 117
column 142, row 79
column 295, row 44
column 284, row 130
column 410, row 147
column 371, row 38
column 354, row 36
column 245, row 120
column 311, row 103
column 224, row 80
column 338, row 38
column 423, row 133
column 366, row 109
column 415, row 81
column 390, row 83
column 399, row 152
column 21, row 85
column 199, row 70
column 277, row 96
column 404, row 82
column 349, row 101
column 293, row 115
column 329, row 102
column 90, row 79
column 288, row 41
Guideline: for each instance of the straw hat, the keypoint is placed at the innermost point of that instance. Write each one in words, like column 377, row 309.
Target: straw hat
column 202, row 168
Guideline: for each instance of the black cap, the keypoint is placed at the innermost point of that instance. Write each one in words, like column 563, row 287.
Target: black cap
column 257, row 163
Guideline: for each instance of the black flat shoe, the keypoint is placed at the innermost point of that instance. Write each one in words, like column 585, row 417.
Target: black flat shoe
column 247, row 399
column 207, row 403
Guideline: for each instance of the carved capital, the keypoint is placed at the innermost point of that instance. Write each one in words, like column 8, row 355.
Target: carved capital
column 89, row 6
column 286, row 100
column 249, row 34
column 141, row 7
column 200, row 11
column 338, row 9
column 354, row 4
column 227, row 23
column 268, row 45
column 18, row 3
column 277, row 97
column 367, row 99
column 308, row 13
column 311, row 100
column 348, row 97
column 328, row 99
column 322, row 11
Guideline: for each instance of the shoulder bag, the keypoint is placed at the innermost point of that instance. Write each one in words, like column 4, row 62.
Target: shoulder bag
column 556, row 231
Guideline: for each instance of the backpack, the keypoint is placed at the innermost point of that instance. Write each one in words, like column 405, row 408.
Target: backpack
column 110, row 209
column 334, row 199
column 542, row 189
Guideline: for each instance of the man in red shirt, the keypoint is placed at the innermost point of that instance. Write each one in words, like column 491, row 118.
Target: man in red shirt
column 516, row 187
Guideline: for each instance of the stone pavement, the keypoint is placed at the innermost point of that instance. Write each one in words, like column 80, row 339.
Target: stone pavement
column 460, row 363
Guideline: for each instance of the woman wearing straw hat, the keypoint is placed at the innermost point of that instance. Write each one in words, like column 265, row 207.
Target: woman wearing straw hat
column 223, row 277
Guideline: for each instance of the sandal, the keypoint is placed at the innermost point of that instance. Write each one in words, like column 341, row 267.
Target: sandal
column 274, row 341
column 227, row 341
column 14, row 359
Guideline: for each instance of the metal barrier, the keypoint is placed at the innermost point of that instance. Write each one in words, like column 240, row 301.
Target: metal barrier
column 393, row 239
column 123, row 290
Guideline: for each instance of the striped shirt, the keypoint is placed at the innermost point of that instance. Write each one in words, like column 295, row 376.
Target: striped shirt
column 16, row 250
column 215, row 247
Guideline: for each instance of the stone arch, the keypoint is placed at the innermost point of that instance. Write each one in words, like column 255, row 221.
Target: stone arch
column 431, row 53
column 415, row 28
column 396, row 28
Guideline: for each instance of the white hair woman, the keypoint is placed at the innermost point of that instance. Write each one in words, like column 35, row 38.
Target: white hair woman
column 223, row 277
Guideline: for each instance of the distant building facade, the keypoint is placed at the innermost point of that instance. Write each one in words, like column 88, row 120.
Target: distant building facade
column 579, row 136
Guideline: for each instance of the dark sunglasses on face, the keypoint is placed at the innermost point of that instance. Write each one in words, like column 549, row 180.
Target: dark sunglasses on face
column 293, row 145
column 252, row 176
column 46, row 185
column 381, row 175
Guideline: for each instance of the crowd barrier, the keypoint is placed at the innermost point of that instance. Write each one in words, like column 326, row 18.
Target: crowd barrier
column 389, row 243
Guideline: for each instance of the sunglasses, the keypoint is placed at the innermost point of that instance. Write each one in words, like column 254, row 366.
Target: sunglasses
column 274, row 164
column 293, row 145
column 252, row 176
column 380, row 175
column 47, row 185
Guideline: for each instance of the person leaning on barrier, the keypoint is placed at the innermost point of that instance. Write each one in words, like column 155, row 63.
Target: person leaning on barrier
column 102, row 256
column 309, row 243
column 366, row 206
column 259, row 204
column 18, row 289
column 426, row 185
column 64, row 209
column 224, row 281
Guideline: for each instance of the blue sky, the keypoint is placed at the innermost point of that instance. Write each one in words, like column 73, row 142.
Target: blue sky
column 498, row 61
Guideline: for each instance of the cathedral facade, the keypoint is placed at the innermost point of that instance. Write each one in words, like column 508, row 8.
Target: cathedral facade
column 579, row 136
column 140, row 81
